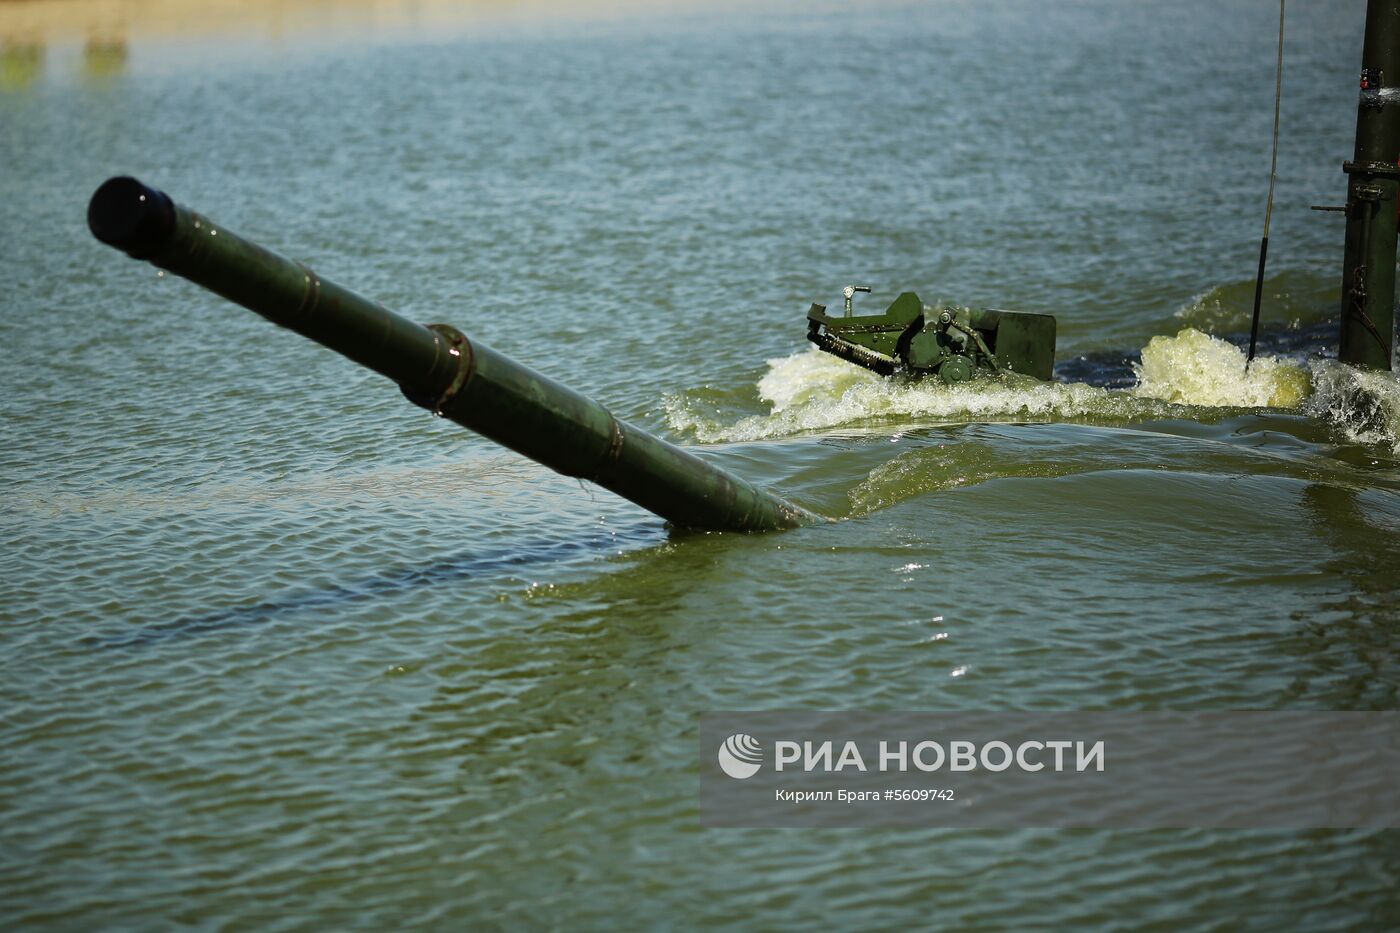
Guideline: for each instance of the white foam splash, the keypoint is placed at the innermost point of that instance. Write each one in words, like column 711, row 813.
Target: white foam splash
column 814, row 391
column 1363, row 405
column 1179, row 376
column 1193, row 368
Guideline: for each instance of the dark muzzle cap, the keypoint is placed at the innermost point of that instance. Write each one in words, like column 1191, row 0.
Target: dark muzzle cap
column 132, row 217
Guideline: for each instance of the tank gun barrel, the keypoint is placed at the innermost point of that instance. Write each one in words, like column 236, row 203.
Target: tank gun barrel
column 438, row 367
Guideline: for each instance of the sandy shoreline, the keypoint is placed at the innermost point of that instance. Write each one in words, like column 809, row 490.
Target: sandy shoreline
column 41, row 22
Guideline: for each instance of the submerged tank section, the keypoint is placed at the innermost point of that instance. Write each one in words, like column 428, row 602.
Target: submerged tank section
column 953, row 344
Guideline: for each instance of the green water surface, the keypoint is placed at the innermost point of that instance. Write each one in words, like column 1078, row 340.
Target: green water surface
column 282, row 651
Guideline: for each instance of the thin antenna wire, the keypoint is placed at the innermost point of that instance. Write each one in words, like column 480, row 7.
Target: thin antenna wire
column 1269, row 210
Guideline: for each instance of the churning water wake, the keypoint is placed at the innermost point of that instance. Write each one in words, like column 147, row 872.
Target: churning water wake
column 1363, row 405
column 1190, row 375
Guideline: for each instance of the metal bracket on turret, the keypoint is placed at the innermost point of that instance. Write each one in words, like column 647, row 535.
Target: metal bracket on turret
column 947, row 320
column 1371, row 168
column 1374, row 94
column 1380, row 98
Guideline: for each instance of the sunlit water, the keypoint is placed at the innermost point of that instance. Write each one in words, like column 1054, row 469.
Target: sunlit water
column 281, row 650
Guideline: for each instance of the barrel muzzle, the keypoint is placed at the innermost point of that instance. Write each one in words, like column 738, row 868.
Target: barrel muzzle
column 132, row 217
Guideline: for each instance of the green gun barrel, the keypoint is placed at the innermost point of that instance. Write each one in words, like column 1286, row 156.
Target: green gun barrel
column 437, row 367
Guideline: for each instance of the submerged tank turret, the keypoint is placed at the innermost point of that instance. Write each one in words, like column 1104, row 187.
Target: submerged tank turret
column 954, row 344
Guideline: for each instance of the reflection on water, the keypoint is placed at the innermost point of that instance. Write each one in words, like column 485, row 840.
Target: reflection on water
column 166, row 19
column 105, row 55
column 104, row 58
column 101, row 34
column 21, row 64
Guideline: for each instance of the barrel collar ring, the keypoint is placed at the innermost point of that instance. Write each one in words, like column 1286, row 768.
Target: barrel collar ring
column 460, row 347
column 311, row 293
